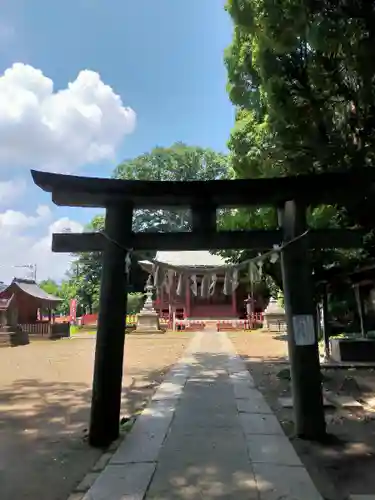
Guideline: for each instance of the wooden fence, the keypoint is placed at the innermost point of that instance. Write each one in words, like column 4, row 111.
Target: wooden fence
column 46, row 329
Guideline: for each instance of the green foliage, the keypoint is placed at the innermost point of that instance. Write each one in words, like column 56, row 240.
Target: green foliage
column 50, row 286
column 177, row 163
column 66, row 291
column 135, row 302
column 301, row 77
column 306, row 66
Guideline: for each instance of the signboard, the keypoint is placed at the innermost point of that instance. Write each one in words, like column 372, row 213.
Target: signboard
column 73, row 310
column 304, row 329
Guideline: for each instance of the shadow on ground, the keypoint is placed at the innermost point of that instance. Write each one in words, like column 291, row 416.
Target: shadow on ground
column 203, row 465
column 44, row 452
column 205, row 454
column 346, row 464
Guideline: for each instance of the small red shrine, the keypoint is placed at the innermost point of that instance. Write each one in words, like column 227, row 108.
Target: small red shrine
column 28, row 301
column 190, row 305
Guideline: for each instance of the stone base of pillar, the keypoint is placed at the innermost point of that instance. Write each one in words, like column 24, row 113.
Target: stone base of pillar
column 148, row 322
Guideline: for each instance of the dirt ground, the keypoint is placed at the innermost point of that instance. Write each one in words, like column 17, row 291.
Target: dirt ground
column 340, row 469
column 45, row 391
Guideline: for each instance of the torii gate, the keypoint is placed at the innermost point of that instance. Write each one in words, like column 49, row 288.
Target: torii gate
column 290, row 195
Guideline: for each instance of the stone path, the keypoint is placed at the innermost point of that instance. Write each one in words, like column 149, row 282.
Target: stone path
column 207, row 434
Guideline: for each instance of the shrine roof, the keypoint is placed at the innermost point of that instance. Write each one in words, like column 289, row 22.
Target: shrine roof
column 31, row 288
column 329, row 187
column 196, row 258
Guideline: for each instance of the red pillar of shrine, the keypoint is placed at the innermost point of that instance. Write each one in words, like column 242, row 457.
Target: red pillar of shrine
column 161, row 300
column 187, row 299
column 234, row 303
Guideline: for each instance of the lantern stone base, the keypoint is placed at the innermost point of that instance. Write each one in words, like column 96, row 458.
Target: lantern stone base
column 148, row 322
column 275, row 324
column 274, row 318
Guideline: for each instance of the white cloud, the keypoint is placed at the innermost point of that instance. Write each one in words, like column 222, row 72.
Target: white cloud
column 11, row 190
column 13, row 222
column 19, row 247
column 63, row 130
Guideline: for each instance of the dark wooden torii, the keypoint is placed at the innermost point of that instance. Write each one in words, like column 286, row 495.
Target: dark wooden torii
column 291, row 195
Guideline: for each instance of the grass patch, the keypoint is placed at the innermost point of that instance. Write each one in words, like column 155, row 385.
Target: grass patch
column 77, row 330
column 349, row 335
column 74, row 330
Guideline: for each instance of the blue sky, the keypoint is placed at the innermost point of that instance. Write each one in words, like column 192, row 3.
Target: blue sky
column 163, row 58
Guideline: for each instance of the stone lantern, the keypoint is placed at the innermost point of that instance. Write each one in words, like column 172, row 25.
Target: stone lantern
column 148, row 319
column 274, row 317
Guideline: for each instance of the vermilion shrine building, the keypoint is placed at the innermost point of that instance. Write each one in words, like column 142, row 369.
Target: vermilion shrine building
column 188, row 305
column 28, row 301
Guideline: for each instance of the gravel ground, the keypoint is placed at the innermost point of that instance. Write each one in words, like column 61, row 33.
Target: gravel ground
column 346, row 465
column 45, row 391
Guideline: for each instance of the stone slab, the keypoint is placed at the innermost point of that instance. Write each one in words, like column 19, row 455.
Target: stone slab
column 75, row 496
column 255, row 404
column 222, row 420
column 118, row 482
column 241, row 375
column 144, row 441
column 87, row 481
column 145, row 331
column 258, row 423
column 171, row 389
column 102, row 462
column 205, row 448
column 243, row 389
column 235, row 365
column 276, row 482
column 271, row 449
column 211, row 481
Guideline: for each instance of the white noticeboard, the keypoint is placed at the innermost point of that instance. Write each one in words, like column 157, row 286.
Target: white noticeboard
column 304, row 329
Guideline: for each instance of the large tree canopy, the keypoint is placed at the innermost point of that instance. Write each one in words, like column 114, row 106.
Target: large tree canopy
column 303, row 70
column 302, row 79
column 177, row 163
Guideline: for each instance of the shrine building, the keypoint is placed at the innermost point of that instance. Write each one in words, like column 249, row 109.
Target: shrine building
column 189, row 303
column 22, row 304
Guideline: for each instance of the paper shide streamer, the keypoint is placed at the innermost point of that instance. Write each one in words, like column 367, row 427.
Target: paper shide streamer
column 164, row 274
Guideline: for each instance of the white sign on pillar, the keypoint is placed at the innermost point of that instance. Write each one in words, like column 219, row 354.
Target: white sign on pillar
column 304, row 329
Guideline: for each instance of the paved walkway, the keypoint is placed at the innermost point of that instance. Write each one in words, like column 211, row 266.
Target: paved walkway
column 207, row 434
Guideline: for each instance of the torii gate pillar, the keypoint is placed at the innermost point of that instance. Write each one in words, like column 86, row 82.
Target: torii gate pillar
column 109, row 352
column 302, row 339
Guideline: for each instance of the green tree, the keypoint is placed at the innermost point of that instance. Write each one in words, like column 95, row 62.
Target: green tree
column 307, row 63
column 300, row 77
column 50, row 286
column 65, row 291
column 176, row 163
column 135, row 302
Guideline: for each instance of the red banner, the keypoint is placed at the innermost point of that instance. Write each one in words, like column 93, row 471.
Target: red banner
column 73, row 310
